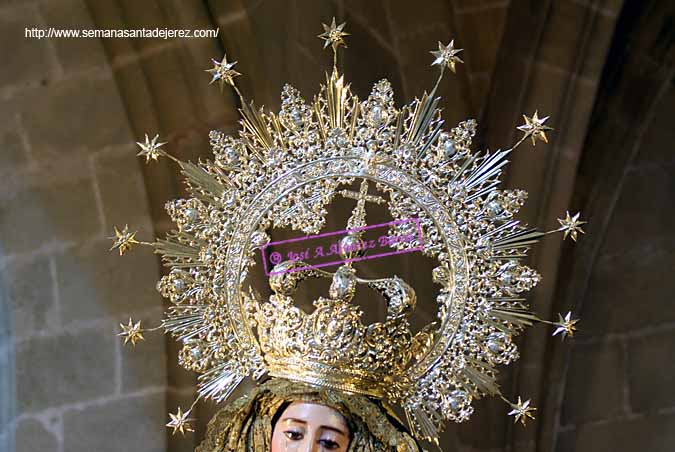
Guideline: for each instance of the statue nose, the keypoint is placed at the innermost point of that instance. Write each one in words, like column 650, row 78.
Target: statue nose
column 311, row 444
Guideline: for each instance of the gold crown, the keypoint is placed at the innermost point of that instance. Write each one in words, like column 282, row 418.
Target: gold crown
column 331, row 346
column 283, row 171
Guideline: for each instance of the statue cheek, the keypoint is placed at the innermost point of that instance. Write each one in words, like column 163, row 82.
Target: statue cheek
column 278, row 442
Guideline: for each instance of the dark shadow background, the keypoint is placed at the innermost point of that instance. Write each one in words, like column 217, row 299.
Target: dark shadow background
column 71, row 111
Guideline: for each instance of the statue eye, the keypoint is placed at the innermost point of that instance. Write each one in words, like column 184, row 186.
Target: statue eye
column 329, row 444
column 293, row 435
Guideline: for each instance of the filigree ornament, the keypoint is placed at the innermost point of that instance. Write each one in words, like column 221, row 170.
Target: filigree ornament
column 283, row 170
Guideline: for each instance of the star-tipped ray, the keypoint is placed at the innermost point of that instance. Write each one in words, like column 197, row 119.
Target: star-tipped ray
column 222, row 72
column 180, row 422
column 123, row 240
column 571, row 225
column 521, row 411
column 566, row 326
column 447, row 56
column 333, row 35
column 151, row 148
column 535, row 128
column 131, row 332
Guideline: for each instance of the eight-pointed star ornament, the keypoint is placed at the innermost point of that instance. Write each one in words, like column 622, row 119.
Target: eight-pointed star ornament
column 447, row 55
column 131, row 332
column 222, row 72
column 535, row 128
column 521, row 411
column 151, row 148
column 565, row 325
column 123, row 240
column 571, row 225
column 180, row 422
column 333, row 35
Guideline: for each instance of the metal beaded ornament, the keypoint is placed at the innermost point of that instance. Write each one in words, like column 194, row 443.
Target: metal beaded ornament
column 283, row 170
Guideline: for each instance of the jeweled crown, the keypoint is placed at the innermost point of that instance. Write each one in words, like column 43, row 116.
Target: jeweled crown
column 284, row 170
column 331, row 346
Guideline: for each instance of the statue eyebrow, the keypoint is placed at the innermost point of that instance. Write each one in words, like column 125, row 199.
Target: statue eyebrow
column 328, row 427
column 294, row 420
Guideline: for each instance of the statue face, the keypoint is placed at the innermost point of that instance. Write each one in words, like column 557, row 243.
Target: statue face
column 310, row 427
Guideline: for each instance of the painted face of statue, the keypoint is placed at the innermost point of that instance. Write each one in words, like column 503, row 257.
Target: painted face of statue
column 310, row 427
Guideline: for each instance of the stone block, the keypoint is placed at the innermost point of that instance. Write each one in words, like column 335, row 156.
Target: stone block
column 135, row 15
column 90, row 112
column 480, row 47
column 489, row 415
column 367, row 16
column 565, row 441
column 599, row 41
column 32, row 436
column 573, row 131
column 109, row 16
column 191, row 144
column 652, row 433
column 652, row 371
column 563, row 33
column 642, row 276
column 29, row 289
column 469, row 6
column 145, row 364
column 68, row 368
column 275, row 57
column 39, row 215
column 134, row 86
column 120, row 183
column 74, row 54
column 480, row 87
column 595, row 384
column 643, row 211
column 167, row 73
column 544, row 93
column 94, row 283
column 656, row 147
column 14, row 154
column 25, row 60
column 380, row 59
column 131, row 424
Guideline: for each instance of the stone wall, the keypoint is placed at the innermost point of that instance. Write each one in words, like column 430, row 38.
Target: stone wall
column 619, row 377
column 619, row 392
column 68, row 174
